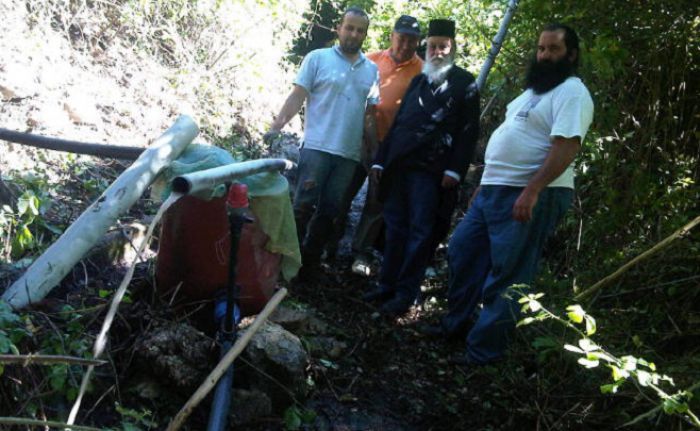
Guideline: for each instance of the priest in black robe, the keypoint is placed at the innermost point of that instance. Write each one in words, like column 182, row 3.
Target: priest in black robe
column 423, row 159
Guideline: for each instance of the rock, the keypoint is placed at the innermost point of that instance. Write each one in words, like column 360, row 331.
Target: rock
column 300, row 321
column 326, row 347
column 149, row 389
column 280, row 355
column 292, row 319
column 246, row 406
column 7, row 93
column 177, row 353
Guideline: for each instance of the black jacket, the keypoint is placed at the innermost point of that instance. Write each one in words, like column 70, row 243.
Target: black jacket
column 442, row 124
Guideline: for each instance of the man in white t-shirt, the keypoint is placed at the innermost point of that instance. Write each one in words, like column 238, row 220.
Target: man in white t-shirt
column 341, row 89
column 526, row 188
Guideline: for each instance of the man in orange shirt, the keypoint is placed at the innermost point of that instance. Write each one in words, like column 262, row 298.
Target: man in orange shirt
column 397, row 65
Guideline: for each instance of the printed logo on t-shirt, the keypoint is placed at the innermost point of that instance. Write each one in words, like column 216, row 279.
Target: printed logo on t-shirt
column 529, row 106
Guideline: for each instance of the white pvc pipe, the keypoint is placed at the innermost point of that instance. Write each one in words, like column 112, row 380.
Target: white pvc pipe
column 210, row 178
column 50, row 268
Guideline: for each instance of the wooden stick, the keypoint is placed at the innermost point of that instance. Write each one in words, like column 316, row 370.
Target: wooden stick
column 45, row 424
column 101, row 341
column 33, row 358
column 225, row 362
column 652, row 251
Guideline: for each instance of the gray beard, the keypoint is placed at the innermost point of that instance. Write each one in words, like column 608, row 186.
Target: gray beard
column 437, row 73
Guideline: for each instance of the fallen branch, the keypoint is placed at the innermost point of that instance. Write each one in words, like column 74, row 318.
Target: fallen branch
column 45, row 424
column 47, row 360
column 652, row 251
column 225, row 362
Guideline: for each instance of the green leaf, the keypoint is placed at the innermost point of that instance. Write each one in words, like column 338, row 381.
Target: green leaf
column 5, row 343
column 525, row 321
column 572, row 348
column 629, row 363
column 673, row 406
column 587, row 345
column 609, row 389
column 128, row 426
column 103, row 293
column 328, row 364
column 588, row 363
column 58, row 376
column 590, row 325
column 575, row 313
column 292, row 419
column 644, row 378
column 544, row 343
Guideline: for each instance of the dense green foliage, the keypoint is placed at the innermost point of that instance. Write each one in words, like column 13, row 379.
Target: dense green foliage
column 637, row 177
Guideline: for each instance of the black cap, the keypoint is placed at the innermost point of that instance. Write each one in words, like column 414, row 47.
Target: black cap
column 406, row 24
column 441, row 27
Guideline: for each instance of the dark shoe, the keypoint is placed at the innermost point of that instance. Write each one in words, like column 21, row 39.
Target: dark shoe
column 395, row 307
column 377, row 294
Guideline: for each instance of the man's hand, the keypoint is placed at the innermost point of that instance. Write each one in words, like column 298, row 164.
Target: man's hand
column 522, row 209
column 375, row 175
column 449, row 182
column 270, row 137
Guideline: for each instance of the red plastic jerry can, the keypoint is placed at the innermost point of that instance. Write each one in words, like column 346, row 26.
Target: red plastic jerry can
column 194, row 250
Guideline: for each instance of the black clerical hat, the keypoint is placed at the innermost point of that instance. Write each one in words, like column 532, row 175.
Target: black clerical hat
column 441, row 27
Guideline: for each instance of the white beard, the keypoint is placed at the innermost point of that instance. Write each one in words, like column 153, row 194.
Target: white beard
column 437, row 73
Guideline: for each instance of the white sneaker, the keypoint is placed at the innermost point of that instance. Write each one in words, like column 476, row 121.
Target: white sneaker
column 361, row 267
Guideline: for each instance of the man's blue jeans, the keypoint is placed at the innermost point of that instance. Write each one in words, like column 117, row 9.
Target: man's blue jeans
column 489, row 252
column 321, row 184
column 409, row 216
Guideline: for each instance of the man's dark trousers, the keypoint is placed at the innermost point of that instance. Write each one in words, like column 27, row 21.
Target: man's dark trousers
column 489, row 252
column 409, row 215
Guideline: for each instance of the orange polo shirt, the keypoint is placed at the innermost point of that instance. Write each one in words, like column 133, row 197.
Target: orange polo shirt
column 394, row 79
